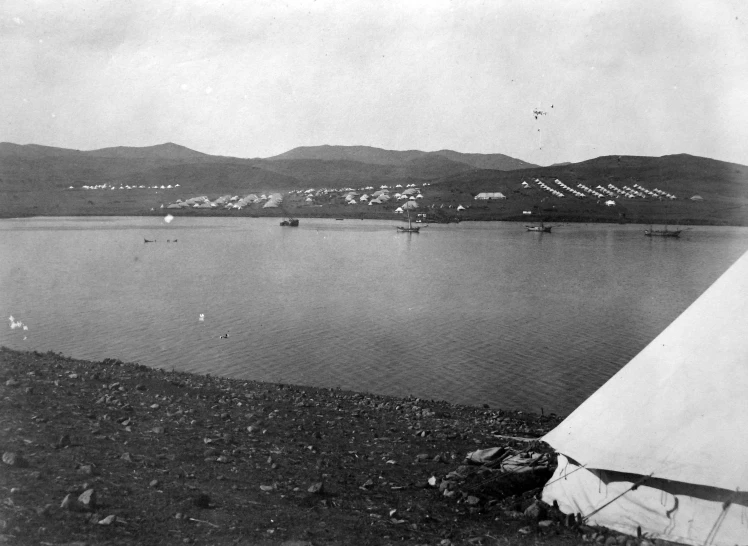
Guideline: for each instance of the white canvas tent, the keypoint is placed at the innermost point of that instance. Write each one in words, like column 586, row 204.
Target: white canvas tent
column 659, row 448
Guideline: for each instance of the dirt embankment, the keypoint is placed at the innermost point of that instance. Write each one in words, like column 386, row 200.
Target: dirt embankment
column 114, row 453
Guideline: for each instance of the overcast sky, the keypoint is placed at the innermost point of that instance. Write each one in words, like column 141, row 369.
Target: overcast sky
column 254, row 79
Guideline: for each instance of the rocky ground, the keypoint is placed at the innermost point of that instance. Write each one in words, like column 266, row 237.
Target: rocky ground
column 115, row 453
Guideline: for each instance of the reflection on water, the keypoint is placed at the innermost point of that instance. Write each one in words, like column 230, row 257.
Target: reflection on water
column 473, row 313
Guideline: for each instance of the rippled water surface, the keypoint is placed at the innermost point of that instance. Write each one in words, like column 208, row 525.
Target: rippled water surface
column 472, row 313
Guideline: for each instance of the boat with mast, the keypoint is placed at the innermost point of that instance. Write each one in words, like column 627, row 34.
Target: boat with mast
column 665, row 232
column 411, row 228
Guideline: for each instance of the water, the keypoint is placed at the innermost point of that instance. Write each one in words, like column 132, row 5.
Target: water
column 472, row 313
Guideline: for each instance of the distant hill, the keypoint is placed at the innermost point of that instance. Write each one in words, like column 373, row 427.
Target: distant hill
column 499, row 162
column 681, row 174
column 35, row 180
column 379, row 156
column 8, row 149
column 361, row 154
column 160, row 151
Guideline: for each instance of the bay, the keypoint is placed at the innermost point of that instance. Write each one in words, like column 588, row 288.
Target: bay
column 472, row 313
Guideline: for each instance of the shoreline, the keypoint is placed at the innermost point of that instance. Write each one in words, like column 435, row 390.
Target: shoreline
column 176, row 457
column 386, row 217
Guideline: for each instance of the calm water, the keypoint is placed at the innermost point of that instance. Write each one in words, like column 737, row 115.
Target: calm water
column 472, row 313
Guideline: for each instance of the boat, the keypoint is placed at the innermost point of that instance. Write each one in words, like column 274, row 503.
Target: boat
column 542, row 228
column 289, row 221
column 665, row 232
column 662, row 232
column 411, row 228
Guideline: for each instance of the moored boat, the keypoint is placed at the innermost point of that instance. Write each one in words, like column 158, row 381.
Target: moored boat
column 410, row 229
column 662, row 232
column 542, row 228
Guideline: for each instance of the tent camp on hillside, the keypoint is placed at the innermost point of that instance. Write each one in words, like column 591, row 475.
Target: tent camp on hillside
column 658, row 450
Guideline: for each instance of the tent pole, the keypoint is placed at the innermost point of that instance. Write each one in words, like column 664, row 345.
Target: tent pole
column 633, row 486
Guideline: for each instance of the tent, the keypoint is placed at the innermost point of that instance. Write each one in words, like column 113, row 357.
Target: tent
column 658, row 448
column 490, row 195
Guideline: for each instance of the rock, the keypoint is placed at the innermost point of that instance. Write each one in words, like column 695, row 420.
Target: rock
column 155, row 406
column 223, row 459
column 610, row 541
column 266, row 488
column 546, row 523
column 432, row 481
column 70, row 503
column 422, row 457
column 140, row 387
column 126, row 457
column 154, row 483
column 12, row 383
column 472, row 501
column 158, row 430
column 201, row 500
column 64, row 441
column 44, row 510
column 536, row 511
column 86, row 469
column 449, row 494
column 14, row 459
column 317, row 487
column 368, row 483
column 108, row 520
column 87, row 499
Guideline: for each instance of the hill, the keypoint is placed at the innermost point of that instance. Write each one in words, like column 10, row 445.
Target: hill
column 723, row 187
column 44, row 180
column 160, row 151
column 498, row 162
column 379, row 156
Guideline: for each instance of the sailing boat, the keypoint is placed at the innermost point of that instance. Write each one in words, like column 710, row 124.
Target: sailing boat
column 411, row 228
column 662, row 232
column 665, row 232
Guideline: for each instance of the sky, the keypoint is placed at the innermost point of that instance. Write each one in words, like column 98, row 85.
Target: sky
column 255, row 79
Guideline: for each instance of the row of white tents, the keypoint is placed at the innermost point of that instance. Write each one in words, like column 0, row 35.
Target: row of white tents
column 228, row 202
column 382, row 196
column 325, row 191
column 600, row 191
column 657, row 451
column 125, row 187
